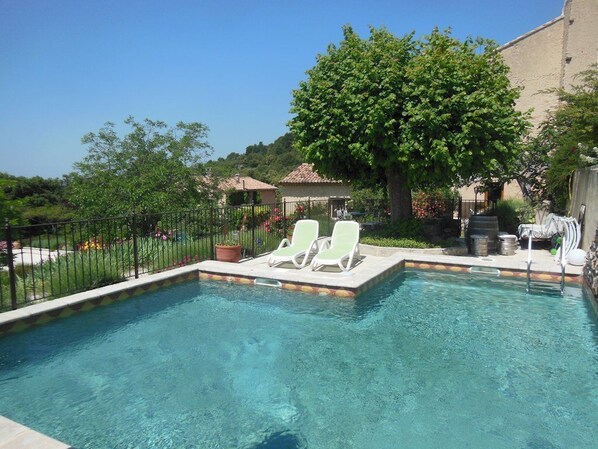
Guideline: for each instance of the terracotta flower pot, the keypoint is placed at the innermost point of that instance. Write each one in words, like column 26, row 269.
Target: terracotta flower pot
column 226, row 253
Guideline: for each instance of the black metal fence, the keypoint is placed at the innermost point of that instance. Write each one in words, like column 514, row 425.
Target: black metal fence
column 47, row 261
column 56, row 259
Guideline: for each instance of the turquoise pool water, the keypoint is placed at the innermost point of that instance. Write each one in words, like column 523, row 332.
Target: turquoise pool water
column 425, row 361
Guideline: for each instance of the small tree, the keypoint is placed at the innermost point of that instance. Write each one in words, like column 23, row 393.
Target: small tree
column 151, row 169
column 408, row 114
column 568, row 139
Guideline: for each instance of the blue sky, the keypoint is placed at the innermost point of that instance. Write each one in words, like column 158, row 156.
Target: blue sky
column 67, row 67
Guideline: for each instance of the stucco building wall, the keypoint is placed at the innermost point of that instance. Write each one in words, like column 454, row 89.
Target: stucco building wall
column 317, row 192
column 268, row 196
column 581, row 38
column 535, row 63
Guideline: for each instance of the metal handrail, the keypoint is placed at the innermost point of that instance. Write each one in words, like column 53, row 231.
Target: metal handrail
column 529, row 262
column 563, row 263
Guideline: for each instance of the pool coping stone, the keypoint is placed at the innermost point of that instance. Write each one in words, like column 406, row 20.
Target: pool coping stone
column 17, row 436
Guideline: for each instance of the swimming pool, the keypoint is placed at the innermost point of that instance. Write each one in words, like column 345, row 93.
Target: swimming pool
column 424, row 360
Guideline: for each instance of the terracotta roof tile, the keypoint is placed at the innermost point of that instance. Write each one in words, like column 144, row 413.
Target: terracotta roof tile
column 244, row 183
column 305, row 174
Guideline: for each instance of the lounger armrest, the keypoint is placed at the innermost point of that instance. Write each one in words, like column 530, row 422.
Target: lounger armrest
column 285, row 242
column 325, row 243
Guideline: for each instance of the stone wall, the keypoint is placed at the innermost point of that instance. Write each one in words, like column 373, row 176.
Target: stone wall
column 590, row 271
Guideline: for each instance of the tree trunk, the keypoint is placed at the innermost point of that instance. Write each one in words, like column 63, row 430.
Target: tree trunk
column 399, row 195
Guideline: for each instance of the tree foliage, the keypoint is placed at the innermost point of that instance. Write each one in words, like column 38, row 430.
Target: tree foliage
column 33, row 200
column 151, row 169
column 567, row 140
column 408, row 114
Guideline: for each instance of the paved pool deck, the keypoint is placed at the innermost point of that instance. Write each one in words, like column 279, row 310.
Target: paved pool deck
column 376, row 261
column 373, row 265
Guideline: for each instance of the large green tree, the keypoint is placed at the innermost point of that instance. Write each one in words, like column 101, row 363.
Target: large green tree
column 408, row 114
column 153, row 168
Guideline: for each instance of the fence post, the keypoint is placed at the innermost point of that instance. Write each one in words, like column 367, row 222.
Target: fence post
column 309, row 207
column 12, row 278
column 284, row 217
column 253, row 229
column 135, row 248
column 460, row 216
column 328, row 214
column 212, row 232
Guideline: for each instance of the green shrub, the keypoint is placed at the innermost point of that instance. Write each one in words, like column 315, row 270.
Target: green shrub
column 408, row 229
column 511, row 213
column 395, row 242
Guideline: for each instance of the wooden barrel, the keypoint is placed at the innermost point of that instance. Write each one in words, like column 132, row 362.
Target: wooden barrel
column 483, row 225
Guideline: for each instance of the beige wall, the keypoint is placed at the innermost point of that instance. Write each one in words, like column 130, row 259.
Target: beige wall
column 551, row 55
column 535, row 62
column 268, row 196
column 585, row 191
column 581, row 38
column 511, row 190
column 317, row 192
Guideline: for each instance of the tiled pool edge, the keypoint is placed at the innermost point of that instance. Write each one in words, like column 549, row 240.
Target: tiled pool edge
column 41, row 313
column 464, row 268
column 308, row 287
column 24, row 318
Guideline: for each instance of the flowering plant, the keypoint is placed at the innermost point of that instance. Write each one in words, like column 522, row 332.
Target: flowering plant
column 93, row 243
column 431, row 204
column 164, row 235
column 276, row 223
column 3, row 253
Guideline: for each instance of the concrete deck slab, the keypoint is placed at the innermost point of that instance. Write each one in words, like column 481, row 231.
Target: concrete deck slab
column 363, row 271
column 16, row 436
column 542, row 260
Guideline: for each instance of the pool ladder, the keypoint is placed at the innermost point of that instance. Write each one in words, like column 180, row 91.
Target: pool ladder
column 563, row 263
column 529, row 262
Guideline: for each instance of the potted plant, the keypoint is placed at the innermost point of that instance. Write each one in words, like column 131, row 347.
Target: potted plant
column 228, row 250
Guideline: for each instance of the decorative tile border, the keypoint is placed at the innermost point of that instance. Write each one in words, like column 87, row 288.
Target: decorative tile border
column 43, row 317
column 537, row 276
column 298, row 287
column 381, row 277
column 90, row 304
column 309, row 288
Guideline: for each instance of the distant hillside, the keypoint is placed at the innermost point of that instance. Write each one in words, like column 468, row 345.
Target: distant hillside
column 269, row 163
column 33, row 200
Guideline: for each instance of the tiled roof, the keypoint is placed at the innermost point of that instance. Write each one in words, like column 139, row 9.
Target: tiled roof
column 244, row 183
column 305, row 174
